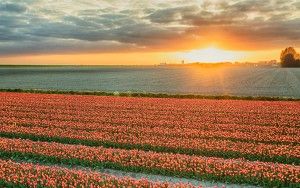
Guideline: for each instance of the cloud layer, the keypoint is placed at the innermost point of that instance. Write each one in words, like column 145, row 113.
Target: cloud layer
column 63, row 26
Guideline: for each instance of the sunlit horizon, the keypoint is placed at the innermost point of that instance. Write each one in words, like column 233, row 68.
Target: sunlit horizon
column 209, row 54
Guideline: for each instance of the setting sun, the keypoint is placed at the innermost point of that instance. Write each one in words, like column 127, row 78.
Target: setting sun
column 211, row 55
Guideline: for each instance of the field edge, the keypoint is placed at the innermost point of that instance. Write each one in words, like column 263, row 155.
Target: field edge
column 151, row 95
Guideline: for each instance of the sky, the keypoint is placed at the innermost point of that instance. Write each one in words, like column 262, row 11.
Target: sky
column 146, row 32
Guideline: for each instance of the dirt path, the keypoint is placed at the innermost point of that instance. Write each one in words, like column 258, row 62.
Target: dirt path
column 156, row 178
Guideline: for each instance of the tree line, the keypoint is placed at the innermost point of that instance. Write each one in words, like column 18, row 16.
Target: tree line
column 290, row 58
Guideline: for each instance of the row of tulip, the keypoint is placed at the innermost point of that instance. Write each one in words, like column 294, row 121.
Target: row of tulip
column 228, row 149
column 238, row 170
column 96, row 121
column 253, row 130
column 256, row 134
column 187, row 119
column 87, row 117
column 167, row 109
column 99, row 101
column 14, row 174
column 209, row 116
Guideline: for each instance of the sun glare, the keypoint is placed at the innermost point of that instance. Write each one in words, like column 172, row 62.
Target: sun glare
column 210, row 55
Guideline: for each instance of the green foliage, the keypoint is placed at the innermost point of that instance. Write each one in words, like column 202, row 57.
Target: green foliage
column 13, row 185
column 153, row 95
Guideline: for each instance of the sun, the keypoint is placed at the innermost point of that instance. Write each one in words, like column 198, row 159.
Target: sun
column 210, row 55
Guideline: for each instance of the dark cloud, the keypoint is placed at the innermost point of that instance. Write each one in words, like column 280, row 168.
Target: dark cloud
column 169, row 15
column 252, row 19
column 10, row 7
column 32, row 27
column 297, row 5
column 55, row 46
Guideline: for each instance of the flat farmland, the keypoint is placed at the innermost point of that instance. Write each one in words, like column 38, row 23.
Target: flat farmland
column 56, row 140
column 235, row 81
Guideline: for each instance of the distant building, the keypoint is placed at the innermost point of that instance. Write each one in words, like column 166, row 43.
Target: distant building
column 162, row 64
column 273, row 62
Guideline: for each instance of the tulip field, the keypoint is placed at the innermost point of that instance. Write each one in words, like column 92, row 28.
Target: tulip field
column 61, row 140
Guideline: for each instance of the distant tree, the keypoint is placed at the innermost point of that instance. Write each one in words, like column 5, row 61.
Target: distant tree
column 289, row 58
column 298, row 62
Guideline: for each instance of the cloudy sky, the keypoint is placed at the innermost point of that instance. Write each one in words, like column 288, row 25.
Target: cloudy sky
column 140, row 31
